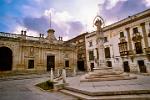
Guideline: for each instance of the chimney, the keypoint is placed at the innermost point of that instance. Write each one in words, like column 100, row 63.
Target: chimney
column 21, row 32
column 25, row 32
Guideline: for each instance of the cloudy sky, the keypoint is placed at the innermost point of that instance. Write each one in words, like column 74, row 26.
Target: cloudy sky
column 69, row 18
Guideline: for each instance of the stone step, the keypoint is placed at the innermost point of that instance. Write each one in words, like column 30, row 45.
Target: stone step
column 114, row 97
column 105, row 79
column 109, row 93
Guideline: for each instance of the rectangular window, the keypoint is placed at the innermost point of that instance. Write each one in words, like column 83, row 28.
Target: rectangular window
column 97, row 53
column 30, row 64
column 138, row 48
column 67, row 63
column 123, row 48
column 91, row 55
column 107, row 52
column 90, row 44
column 135, row 30
column 121, row 34
column 105, row 39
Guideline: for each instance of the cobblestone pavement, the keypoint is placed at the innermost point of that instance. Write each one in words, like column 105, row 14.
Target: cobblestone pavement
column 24, row 89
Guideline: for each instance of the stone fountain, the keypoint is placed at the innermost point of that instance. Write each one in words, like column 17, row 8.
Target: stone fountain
column 101, row 72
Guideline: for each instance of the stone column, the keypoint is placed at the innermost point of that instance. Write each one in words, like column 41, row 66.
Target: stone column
column 144, row 35
column 100, row 45
column 129, row 38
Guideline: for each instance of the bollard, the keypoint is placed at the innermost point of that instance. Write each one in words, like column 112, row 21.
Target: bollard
column 74, row 71
column 52, row 75
column 64, row 75
column 58, row 72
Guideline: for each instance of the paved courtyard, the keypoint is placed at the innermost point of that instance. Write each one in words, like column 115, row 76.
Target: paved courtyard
column 141, row 83
column 24, row 89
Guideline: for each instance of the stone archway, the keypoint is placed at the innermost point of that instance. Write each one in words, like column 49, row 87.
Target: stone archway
column 5, row 59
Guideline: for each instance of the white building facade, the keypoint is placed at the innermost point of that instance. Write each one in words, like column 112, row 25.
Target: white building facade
column 127, row 44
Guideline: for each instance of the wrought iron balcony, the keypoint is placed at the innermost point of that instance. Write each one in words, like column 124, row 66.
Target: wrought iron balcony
column 124, row 53
column 147, row 50
column 9, row 35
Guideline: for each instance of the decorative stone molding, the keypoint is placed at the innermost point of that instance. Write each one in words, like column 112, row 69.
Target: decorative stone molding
column 137, row 37
column 147, row 50
column 122, row 39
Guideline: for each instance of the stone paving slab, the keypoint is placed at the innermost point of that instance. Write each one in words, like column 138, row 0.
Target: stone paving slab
column 142, row 83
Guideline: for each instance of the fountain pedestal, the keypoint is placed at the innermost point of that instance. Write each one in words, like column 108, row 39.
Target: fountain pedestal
column 101, row 72
column 105, row 74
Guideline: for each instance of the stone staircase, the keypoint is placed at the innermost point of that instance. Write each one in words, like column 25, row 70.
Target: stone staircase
column 107, row 95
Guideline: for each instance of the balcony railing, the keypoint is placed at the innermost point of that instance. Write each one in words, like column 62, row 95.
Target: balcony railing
column 147, row 50
column 32, row 38
column 10, row 35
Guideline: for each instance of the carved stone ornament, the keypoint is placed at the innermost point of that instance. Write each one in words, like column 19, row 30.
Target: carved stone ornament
column 122, row 39
column 137, row 38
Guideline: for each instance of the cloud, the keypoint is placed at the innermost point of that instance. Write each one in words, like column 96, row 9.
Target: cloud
column 121, row 10
column 8, row 1
column 69, row 17
column 18, row 29
column 75, row 27
column 37, row 24
column 62, row 23
column 147, row 3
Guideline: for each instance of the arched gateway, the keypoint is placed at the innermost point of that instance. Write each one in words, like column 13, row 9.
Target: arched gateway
column 5, row 59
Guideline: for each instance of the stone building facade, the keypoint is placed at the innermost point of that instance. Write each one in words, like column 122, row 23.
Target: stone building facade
column 79, row 41
column 22, row 53
column 127, row 44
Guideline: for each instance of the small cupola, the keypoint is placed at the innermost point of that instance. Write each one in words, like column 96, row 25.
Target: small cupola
column 50, row 35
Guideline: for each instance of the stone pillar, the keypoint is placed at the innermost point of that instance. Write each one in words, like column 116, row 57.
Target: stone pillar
column 74, row 71
column 100, row 45
column 58, row 74
column 129, row 38
column 51, row 75
column 64, row 75
column 144, row 35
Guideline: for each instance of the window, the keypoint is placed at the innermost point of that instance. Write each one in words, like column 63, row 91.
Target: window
column 97, row 53
column 135, row 30
column 121, row 34
column 109, row 64
column 90, row 44
column 91, row 55
column 107, row 52
column 105, row 39
column 67, row 63
column 30, row 64
column 123, row 49
column 138, row 48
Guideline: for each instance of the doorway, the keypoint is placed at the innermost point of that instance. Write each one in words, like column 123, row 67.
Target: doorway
column 80, row 65
column 5, row 59
column 126, row 66
column 142, row 66
column 109, row 64
column 50, row 62
column 92, row 66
